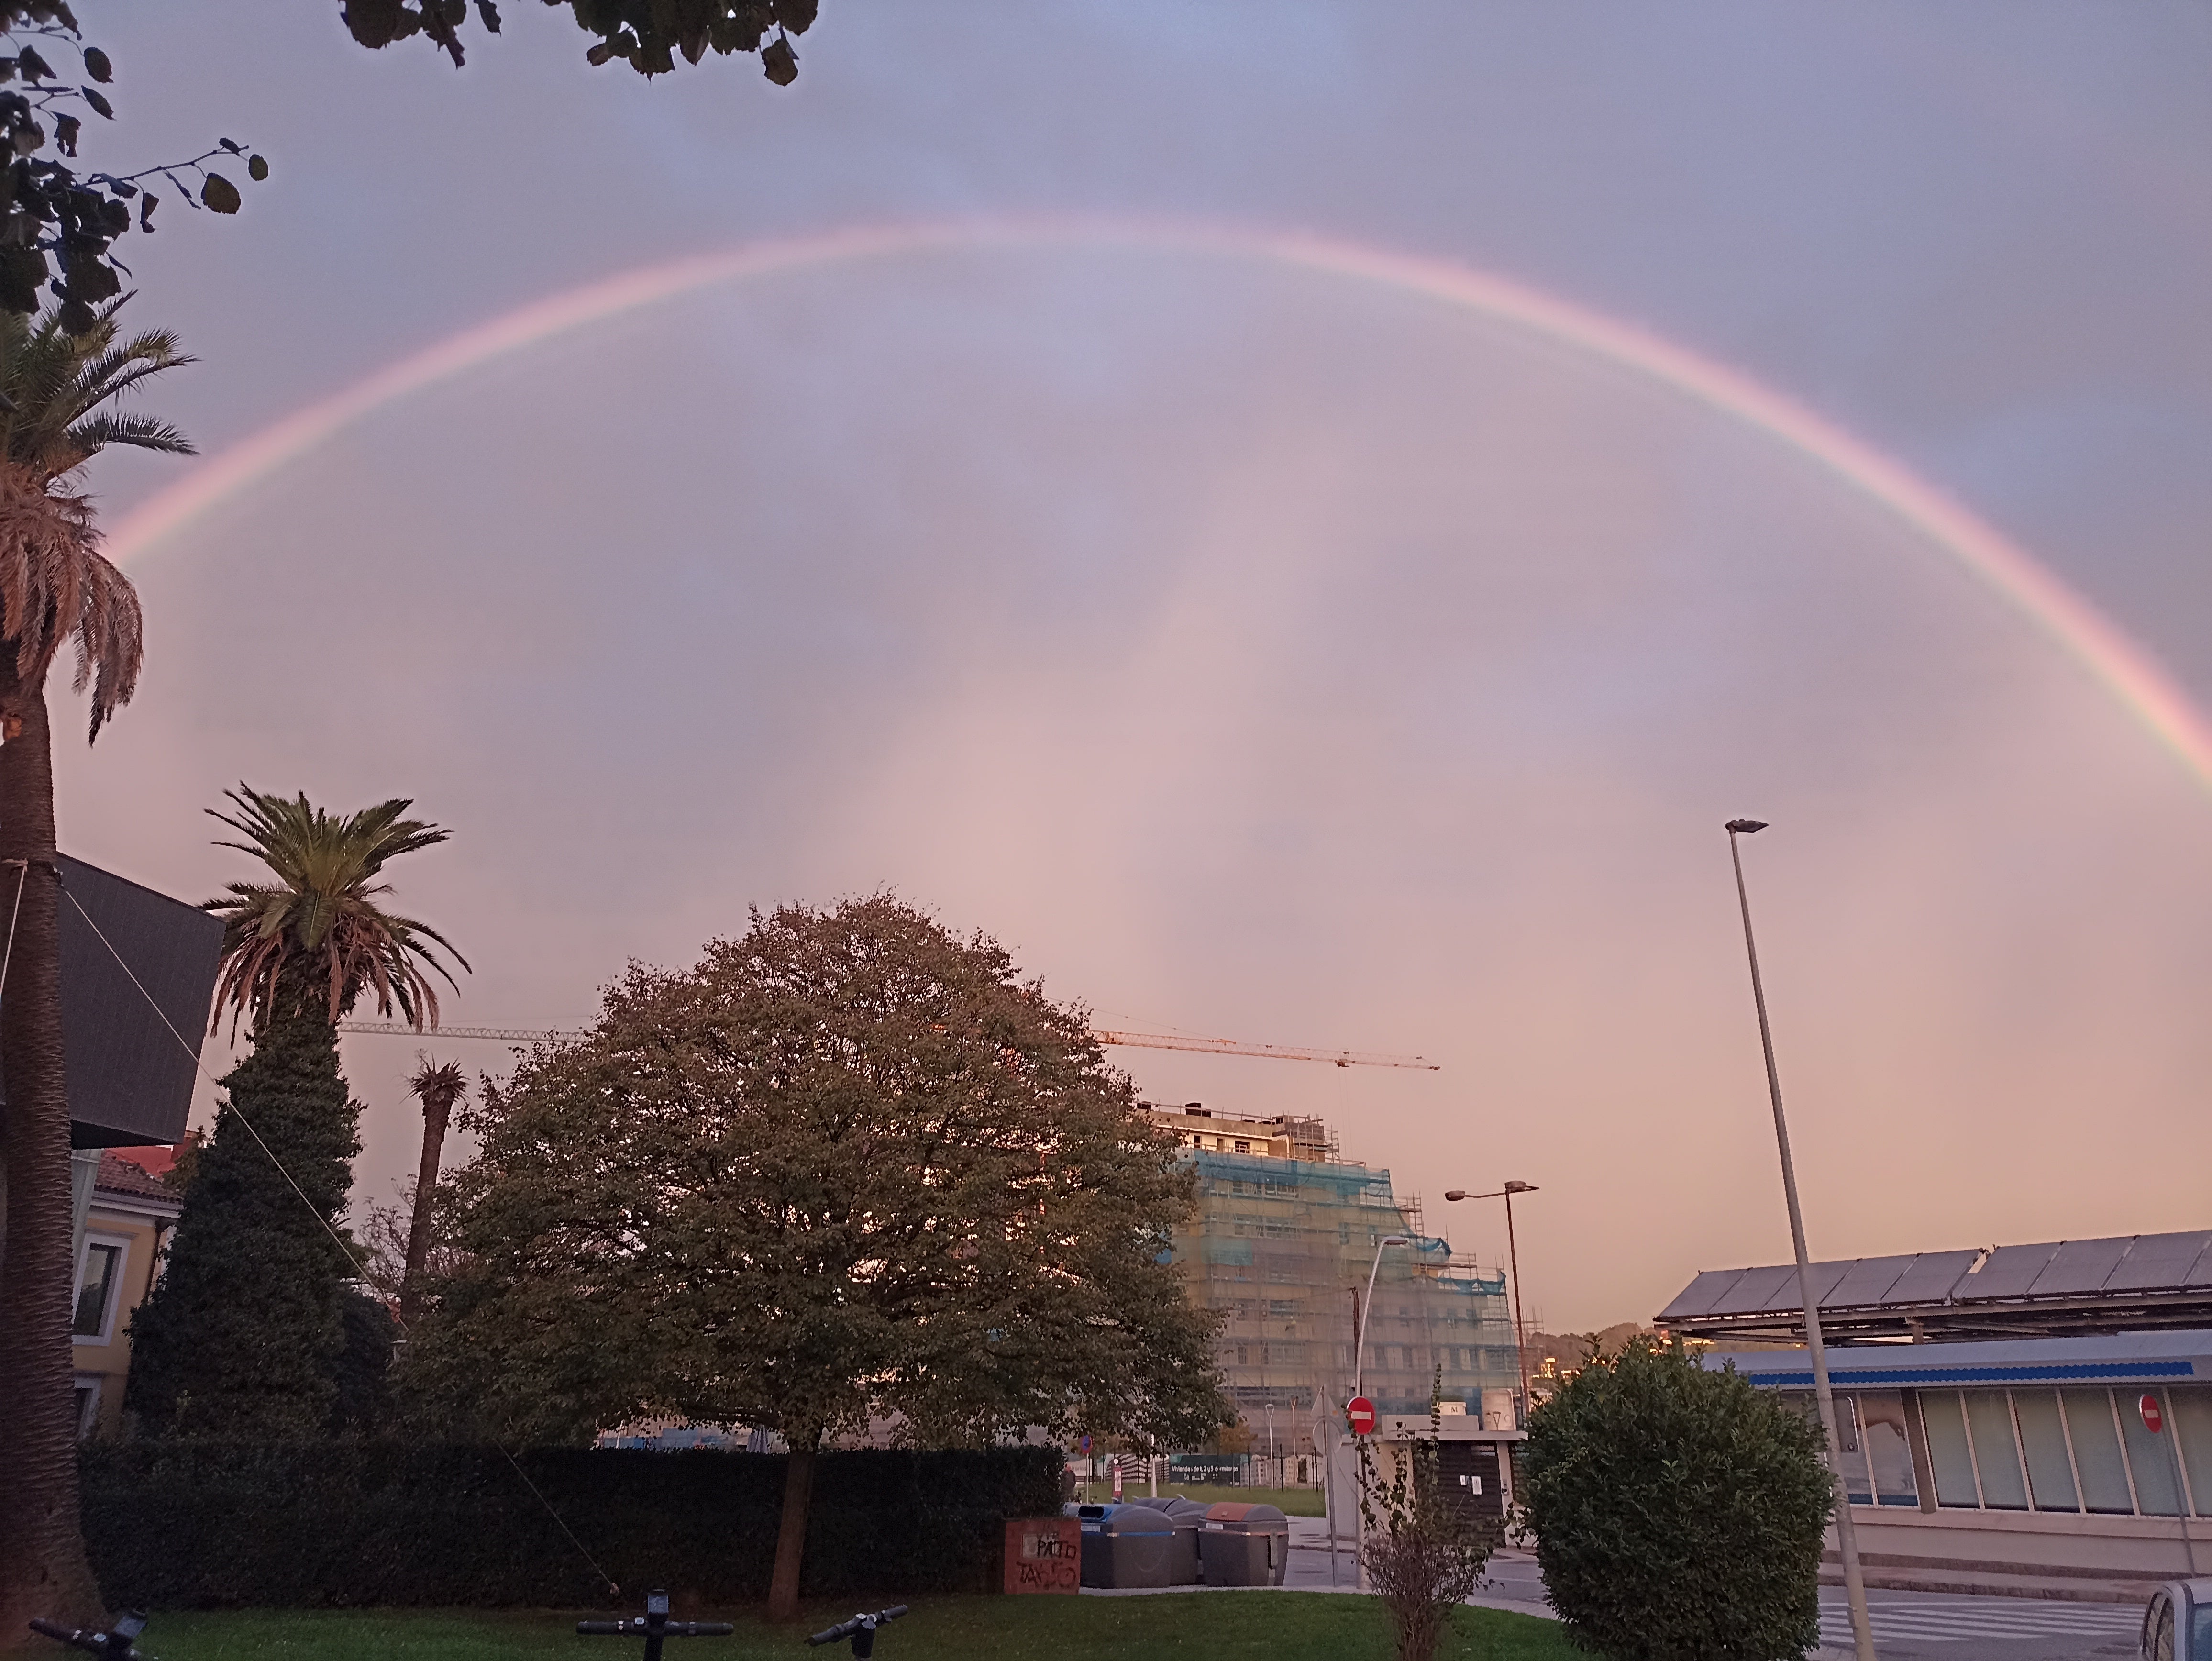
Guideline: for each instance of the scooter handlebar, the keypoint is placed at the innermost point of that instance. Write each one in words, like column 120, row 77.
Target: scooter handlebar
column 858, row 1623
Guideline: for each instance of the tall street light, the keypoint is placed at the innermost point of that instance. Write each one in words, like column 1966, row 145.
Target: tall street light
column 1513, row 1256
column 1366, row 1311
column 1364, row 1315
column 1846, row 1537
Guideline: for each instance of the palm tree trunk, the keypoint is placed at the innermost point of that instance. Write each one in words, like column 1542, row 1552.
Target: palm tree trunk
column 791, row 1537
column 434, row 1113
column 43, row 1566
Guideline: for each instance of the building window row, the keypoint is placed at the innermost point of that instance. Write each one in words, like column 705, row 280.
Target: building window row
column 2082, row 1448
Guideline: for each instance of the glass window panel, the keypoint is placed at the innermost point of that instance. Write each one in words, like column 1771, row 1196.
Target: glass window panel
column 2097, row 1456
column 2193, row 1429
column 1953, row 1461
column 1851, row 1452
column 1889, row 1453
column 2148, row 1458
column 1990, row 1420
column 2042, row 1440
column 100, row 1263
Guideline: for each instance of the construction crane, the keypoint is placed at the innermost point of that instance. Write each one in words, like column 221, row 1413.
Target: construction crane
column 1113, row 1040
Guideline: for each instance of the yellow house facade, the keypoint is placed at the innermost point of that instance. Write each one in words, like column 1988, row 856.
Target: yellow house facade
column 129, row 1215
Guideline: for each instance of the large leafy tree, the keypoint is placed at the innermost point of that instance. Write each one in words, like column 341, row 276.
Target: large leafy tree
column 847, row 1166
column 57, row 395
column 250, row 1331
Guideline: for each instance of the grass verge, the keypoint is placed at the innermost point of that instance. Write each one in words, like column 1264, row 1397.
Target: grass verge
column 1221, row 1626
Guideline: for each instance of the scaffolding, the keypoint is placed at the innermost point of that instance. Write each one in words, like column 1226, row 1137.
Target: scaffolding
column 1282, row 1245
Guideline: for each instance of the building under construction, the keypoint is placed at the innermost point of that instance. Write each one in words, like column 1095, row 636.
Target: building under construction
column 1285, row 1234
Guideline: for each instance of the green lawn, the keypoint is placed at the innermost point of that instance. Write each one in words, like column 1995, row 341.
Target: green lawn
column 1220, row 1626
column 1292, row 1502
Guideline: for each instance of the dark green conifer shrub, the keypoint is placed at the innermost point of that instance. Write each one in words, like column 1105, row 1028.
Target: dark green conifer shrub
column 245, row 1334
column 1679, row 1513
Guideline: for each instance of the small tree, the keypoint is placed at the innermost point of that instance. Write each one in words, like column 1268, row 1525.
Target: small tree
column 848, row 1167
column 1679, row 1513
column 254, row 1329
column 437, row 1086
column 1423, row 1551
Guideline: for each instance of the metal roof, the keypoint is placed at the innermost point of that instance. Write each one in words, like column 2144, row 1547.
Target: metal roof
column 2121, row 1283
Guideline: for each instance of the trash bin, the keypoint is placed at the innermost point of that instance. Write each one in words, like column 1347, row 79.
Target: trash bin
column 1245, row 1546
column 1188, row 1517
column 1126, row 1546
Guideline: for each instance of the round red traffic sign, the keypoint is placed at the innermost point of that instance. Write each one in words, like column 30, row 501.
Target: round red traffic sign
column 2153, row 1421
column 1361, row 1412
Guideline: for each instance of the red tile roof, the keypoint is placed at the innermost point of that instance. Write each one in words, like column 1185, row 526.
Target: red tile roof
column 118, row 1175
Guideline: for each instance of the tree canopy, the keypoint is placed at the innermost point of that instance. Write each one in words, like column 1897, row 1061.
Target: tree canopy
column 847, row 1166
column 59, row 222
column 323, row 917
column 1677, row 1513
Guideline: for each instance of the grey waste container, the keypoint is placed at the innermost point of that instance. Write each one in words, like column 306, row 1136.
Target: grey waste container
column 1244, row 1546
column 1188, row 1517
column 1126, row 1546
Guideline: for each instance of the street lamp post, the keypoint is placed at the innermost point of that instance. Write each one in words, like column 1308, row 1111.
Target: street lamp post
column 1846, row 1536
column 1367, row 1312
column 1513, row 1256
column 1358, row 1374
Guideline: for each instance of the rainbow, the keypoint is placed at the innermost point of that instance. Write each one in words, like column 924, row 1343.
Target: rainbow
column 2121, row 665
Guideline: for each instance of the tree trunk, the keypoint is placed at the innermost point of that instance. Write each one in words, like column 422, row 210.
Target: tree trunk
column 790, row 1538
column 43, row 1566
column 435, row 1114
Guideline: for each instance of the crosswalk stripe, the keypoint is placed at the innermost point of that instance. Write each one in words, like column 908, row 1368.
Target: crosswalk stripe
column 1940, row 1622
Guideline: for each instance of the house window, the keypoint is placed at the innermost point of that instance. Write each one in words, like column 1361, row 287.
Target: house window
column 95, row 1288
column 85, row 1402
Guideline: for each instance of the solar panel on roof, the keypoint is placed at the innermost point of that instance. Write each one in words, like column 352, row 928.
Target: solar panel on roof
column 2081, row 1265
column 2159, row 1261
column 1760, row 1289
column 2010, row 1271
column 1826, row 1278
column 1931, row 1277
column 1866, row 1281
column 1698, row 1297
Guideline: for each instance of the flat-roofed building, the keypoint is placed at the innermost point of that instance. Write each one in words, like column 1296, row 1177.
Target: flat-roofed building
column 1990, row 1404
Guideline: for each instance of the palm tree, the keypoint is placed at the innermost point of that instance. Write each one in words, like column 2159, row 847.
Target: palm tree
column 437, row 1086
column 245, row 1335
column 321, row 916
column 56, row 396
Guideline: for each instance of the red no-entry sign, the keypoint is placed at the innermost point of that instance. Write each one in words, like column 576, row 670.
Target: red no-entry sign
column 1361, row 1412
column 2153, row 1421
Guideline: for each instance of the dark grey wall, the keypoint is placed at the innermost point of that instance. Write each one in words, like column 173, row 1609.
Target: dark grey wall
column 130, row 1080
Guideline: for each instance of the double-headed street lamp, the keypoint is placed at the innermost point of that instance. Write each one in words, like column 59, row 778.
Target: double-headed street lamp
column 1846, row 1538
column 1513, row 1256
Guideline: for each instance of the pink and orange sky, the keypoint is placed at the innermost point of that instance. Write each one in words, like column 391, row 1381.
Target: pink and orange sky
column 1255, row 646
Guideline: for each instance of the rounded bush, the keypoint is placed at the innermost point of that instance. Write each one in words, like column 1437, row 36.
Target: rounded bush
column 1679, row 1513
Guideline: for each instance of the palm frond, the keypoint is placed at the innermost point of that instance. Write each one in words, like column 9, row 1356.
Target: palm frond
column 323, row 917
column 54, row 583
column 140, row 432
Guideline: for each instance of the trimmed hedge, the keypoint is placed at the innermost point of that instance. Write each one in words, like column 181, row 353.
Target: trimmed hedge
column 201, row 1524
